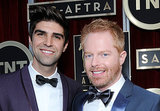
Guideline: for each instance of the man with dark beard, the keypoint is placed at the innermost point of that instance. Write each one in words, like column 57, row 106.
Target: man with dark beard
column 102, row 42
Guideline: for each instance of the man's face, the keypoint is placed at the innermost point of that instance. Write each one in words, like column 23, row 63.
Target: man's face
column 47, row 43
column 102, row 61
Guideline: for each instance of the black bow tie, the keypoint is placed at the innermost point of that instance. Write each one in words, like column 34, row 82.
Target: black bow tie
column 105, row 96
column 41, row 80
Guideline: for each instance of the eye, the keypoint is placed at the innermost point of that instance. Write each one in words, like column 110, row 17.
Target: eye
column 40, row 34
column 104, row 54
column 88, row 55
column 58, row 36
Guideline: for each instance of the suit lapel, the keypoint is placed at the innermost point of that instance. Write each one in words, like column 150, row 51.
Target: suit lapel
column 28, row 88
column 65, row 91
column 122, row 99
column 120, row 103
column 79, row 101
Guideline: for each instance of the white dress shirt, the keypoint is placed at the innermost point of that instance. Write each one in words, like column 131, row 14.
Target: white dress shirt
column 97, row 105
column 48, row 98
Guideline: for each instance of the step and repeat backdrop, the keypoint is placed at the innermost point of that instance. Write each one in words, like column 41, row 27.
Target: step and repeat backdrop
column 143, row 16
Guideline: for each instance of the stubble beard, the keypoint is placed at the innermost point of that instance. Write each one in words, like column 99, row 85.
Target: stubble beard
column 104, row 81
column 47, row 61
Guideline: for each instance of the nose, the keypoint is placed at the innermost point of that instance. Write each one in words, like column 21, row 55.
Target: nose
column 95, row 61
column 48, row 41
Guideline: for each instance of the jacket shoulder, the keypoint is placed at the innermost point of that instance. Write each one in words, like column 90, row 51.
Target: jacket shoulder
column 71, row 82
column 79, row 101
column 10, row 78
column 140, row 98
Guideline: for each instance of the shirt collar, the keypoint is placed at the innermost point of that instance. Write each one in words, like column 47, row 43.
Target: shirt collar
column 33, row 72
column 118, row 85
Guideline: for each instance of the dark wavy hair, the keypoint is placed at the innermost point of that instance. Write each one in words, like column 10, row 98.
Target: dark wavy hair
column 48, row 13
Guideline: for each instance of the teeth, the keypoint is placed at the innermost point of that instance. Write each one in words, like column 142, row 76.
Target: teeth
column 49, row 52
column 98, row 72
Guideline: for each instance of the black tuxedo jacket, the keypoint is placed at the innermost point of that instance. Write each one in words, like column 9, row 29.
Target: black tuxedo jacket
column 17, row 93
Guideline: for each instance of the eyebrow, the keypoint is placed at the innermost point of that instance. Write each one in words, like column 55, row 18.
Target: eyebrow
column 98, row 52
column 54, row 33
column 58, row 34
column 39, row 31
column 87, row 53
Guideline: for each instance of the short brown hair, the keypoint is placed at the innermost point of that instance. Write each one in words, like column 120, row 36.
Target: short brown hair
column 101, row 25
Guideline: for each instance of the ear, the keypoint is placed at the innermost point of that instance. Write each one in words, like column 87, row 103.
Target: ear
column 30, row 41
column 123, row 55
column 83, row 61
column 65, row 47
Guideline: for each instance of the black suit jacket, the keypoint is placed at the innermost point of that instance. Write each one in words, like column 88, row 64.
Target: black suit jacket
column 17, row 93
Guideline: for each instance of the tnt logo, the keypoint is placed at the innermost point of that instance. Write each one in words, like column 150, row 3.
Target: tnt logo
column 13, row 56
column 143, row 13
column 148, row 4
